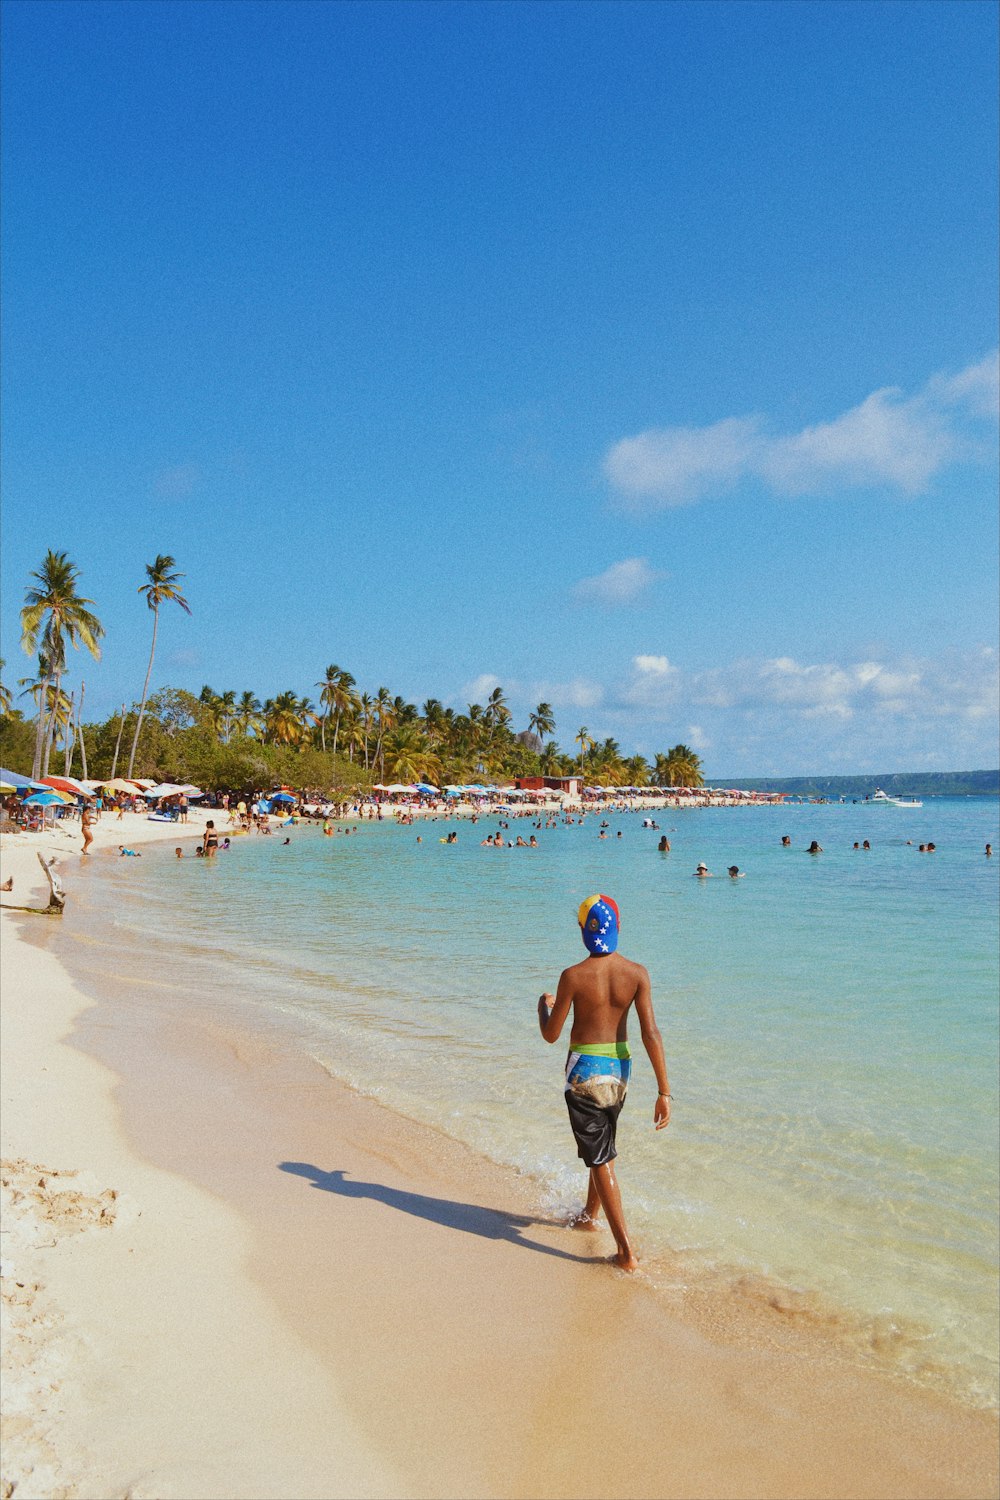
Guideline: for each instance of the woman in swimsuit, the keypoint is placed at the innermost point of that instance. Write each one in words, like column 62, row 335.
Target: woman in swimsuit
column 211, row 840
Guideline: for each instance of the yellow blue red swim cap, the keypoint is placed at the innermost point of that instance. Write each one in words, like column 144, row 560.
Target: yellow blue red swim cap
column 599, row 921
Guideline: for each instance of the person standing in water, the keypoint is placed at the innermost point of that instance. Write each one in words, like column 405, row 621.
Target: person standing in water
column 601, row 991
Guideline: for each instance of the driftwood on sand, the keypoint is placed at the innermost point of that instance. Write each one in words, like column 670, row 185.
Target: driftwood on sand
column 57, row 893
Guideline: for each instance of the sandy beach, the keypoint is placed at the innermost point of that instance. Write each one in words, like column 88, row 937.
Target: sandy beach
column 225, row 1274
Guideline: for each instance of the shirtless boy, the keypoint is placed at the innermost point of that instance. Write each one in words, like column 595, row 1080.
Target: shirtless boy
column 601, row 991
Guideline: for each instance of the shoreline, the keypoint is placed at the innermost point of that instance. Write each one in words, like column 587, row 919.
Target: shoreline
column 390, row 1293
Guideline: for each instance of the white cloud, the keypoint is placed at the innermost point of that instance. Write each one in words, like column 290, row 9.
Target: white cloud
column 480, row 688
column 657, row 665
column 782, row 715
column 622, row 583
column 889, row 439
column 581, row 692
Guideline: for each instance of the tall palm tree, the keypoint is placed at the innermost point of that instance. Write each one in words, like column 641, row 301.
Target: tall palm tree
column 283, row 720
column 384, row 722
column 342, row 703
column 684, row 766
column 541, row 720
column 247, row 714
column 6, row 701
column 408, row 756
column 327, row 687
column 582, row 738
column 53, row 613
column 227, row 713
column 161, row 587
column 496, row 706
column 638, row 770
column 550, row 762
column 118, row 745
column 366, row 710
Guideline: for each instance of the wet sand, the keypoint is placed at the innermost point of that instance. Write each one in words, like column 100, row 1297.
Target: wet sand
column 330, row 1299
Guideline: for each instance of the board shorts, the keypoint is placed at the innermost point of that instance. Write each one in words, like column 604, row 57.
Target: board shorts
column 596, row 1085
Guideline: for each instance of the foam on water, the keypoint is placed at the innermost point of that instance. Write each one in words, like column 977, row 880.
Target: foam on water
column 830, row 1026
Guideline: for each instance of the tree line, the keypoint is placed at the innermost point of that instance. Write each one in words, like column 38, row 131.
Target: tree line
column 345, row 738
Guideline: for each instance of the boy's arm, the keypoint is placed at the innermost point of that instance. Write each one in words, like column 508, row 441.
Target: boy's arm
column 552, row 1013
column 653, row 1043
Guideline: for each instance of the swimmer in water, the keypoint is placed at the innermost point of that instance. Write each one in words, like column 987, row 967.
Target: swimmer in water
column 600, row 991
column 703, row 872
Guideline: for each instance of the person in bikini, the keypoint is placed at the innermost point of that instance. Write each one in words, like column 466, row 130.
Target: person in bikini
column 211, row 840
column 601, row 991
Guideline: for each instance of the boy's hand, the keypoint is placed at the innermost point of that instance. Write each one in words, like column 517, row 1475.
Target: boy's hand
column 661, row 1111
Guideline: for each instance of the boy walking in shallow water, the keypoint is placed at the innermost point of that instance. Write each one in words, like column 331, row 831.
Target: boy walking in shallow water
column 601, row 991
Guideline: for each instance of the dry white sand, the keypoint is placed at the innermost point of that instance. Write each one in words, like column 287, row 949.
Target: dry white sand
column 388, row 1315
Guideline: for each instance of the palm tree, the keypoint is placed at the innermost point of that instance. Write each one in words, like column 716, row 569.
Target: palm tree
column 118, row 745
column 541, row 720
column 283, row 720
column 408, row 756
column 53, row 599
column 227, row 713
column 366, row 708
column 496, row 706
column 342, row 703
column 638, row 770
column 678, row 767
column 246, row 716
column 52, row 701
column 161, row 587
column 685, row 767
column 6, row 701
column 582, row 738
column 384, row 721
column 328, row 685
column 550, row 762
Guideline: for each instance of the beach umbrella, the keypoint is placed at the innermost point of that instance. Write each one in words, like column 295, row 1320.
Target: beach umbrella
column 68, row 784
column 46, row 799
column 424, row 786
column 20, row 783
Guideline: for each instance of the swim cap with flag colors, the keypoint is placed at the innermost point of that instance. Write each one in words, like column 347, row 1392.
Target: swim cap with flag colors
column 599, row 920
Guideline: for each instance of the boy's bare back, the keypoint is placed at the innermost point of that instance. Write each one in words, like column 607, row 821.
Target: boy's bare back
column 601, row 992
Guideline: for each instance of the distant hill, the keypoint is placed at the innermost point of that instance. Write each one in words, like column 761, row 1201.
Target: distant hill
column 897, row 783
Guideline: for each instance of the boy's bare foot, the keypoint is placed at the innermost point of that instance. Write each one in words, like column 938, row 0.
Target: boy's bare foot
column 584, row 1221
column 625, row 1261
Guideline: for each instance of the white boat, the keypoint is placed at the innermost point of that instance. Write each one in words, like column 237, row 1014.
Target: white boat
column 882, row 799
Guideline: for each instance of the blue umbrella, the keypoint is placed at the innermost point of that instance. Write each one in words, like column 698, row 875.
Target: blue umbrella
column 423, row 786
column 43, row 799
column 282, row 797
column 21, row 782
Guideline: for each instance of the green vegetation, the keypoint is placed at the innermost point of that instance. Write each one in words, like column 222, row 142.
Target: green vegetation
column 348, row 740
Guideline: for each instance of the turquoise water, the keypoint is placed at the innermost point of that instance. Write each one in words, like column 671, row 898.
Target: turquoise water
column 830, row 1026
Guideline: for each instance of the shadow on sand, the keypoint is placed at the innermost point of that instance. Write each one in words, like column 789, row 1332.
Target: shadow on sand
column 470, row 1218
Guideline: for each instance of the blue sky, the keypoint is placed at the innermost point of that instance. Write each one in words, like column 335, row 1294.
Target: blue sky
column 641, row 358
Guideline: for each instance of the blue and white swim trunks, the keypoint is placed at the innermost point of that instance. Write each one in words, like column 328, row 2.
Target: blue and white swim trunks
column 597, row 1079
